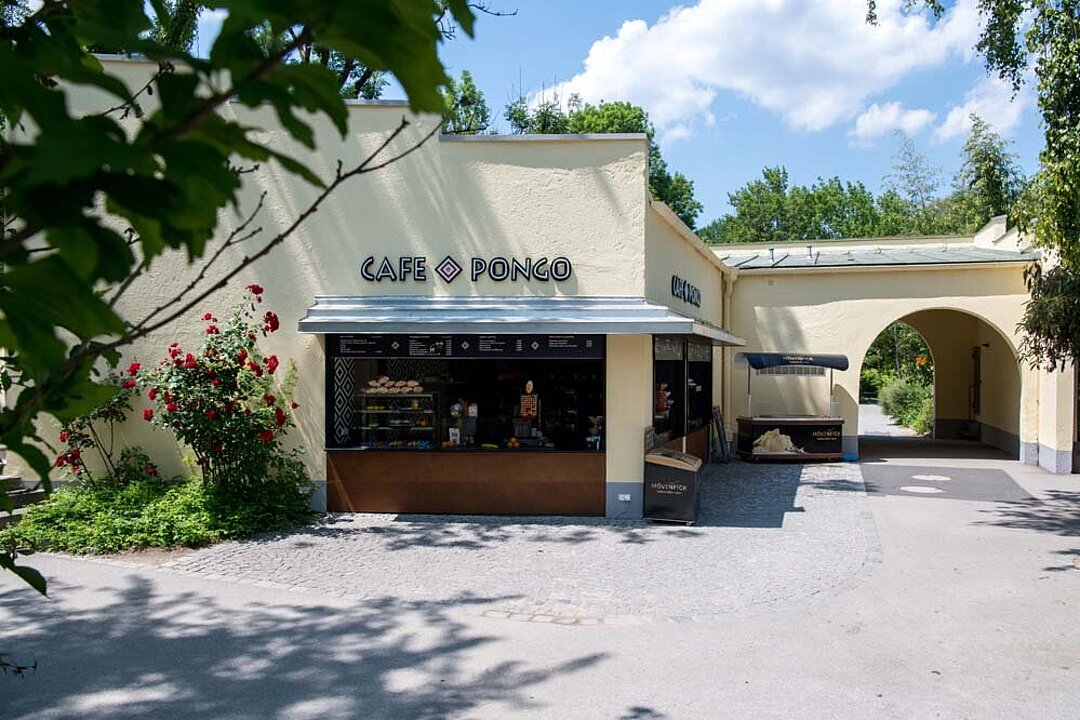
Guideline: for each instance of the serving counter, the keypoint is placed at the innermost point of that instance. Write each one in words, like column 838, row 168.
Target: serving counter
column 795, row 438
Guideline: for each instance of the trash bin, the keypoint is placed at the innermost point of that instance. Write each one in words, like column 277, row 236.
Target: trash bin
column 672, row 487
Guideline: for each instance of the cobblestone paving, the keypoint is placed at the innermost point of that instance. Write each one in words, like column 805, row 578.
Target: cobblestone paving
column 768, row 534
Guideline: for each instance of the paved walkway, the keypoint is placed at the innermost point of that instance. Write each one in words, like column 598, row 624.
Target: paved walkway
column 873, row 422
column 768, row 533
column 970, row 613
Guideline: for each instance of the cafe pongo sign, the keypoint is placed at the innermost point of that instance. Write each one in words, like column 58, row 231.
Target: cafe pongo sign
column 415, row 268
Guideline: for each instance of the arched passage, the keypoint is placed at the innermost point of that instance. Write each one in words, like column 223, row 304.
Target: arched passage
column 896, row 385
column 976, row 378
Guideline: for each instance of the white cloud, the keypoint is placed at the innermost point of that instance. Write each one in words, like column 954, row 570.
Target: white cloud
column 878, row 120
column 992, row 100
column 815, row 63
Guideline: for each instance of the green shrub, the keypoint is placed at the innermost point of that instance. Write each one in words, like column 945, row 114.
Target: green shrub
column 910, row 402
column 923, row 421
column 871, row 380
column 151, row 512
column 135, row 508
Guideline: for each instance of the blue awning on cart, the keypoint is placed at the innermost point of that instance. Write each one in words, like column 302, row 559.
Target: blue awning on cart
column 760, row 361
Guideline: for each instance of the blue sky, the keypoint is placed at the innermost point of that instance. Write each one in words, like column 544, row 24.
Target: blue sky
column 736, row 85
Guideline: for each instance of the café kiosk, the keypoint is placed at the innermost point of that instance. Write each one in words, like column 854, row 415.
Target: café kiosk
column 777, row 438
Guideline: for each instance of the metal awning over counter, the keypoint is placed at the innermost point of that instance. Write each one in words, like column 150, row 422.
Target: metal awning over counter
column 409, row 314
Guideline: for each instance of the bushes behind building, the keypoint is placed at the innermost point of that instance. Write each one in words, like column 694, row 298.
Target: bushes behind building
column 910, row 401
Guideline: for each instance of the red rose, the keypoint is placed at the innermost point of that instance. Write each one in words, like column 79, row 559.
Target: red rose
column 269, row 399
column 127, row 384
column 147, row 414
column 210, row 414
column 255, row 289
column 64, row 436
column 152, row 394
column 174, row 351
column 257, row 369
column 133, row 369
column 280, row 417
column 171, row 407
column 294, row 405
column 168, row 396
column 272, row 322
column 267, row 436
column 74, row 454
column 215, row 382
column 272, row 363
column 241, row 357
column 208, row 316
column 212, row 330
column 60, row 460
column 191, row 363
column 150, row 470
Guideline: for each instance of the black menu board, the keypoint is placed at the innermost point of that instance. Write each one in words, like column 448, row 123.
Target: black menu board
column 468, row 346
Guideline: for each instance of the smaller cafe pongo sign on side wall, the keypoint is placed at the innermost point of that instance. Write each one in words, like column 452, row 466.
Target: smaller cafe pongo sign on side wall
column 415, row 268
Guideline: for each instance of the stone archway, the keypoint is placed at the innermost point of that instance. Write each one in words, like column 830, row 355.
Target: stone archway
column 977, row 377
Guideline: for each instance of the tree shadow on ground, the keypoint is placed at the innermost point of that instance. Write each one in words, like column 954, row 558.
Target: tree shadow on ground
column 143, row 653
column 1058, row 513
column 469, row 532
column 738, row 495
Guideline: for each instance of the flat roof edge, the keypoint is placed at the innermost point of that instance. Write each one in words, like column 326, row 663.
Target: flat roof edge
column 568, row 137
column 743, row 270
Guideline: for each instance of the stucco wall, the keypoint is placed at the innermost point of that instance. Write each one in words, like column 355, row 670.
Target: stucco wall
column 629, row 401
column 582, row 198
column 671, row 250
column 1057, row 421
column 843, row 310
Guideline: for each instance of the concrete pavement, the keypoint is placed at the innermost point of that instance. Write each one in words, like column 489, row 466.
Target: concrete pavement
column 971, row 614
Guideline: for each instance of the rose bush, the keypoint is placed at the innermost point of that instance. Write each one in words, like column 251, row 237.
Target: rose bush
column 224, row 401
column 94, row 434
column 229, row 404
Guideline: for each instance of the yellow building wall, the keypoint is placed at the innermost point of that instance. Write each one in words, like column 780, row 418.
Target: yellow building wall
column 672, row 250
column 629, row 401
column 582, row 198
column 843, row 310
column 1057, row 419
column 1001, row 387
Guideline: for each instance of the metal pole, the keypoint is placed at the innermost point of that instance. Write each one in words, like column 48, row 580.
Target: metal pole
column 748, row 413
column 832, row 395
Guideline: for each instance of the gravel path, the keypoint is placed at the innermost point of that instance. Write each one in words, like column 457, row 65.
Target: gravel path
column 769, row 533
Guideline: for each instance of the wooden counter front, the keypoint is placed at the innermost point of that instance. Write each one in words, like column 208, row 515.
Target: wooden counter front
column 515, row 482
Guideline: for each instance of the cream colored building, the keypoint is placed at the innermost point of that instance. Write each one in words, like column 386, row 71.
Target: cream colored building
column 964, row 295
column 576, row 206
column 554, row 240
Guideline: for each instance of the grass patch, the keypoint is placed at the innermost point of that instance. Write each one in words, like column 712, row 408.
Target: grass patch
column 108, row 518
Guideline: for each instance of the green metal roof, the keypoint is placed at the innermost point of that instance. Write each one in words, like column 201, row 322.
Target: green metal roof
column 814, row 257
